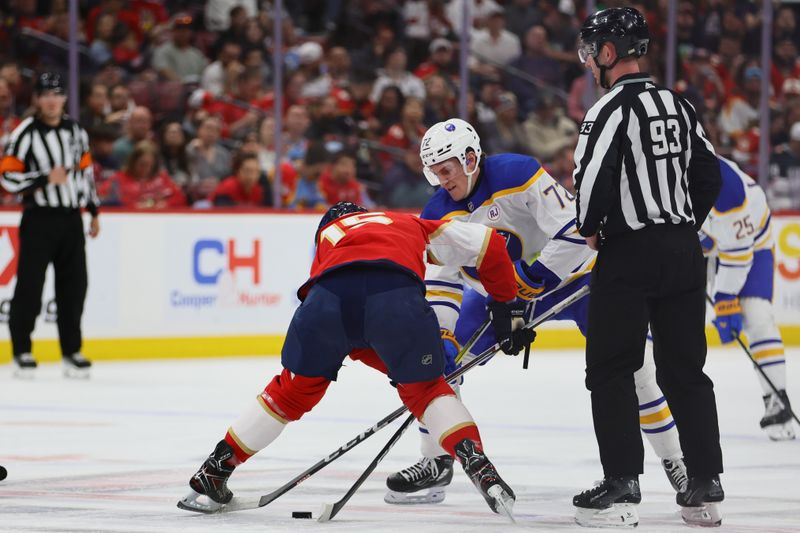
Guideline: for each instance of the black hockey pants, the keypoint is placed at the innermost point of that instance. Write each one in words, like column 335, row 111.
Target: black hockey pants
column 653, row 276
column 45, row 236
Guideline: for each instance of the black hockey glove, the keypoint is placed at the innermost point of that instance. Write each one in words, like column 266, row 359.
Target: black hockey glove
column 507, row 320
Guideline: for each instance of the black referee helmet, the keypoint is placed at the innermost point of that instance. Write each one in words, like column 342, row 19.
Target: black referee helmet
column 624, row 27
column 49, row 81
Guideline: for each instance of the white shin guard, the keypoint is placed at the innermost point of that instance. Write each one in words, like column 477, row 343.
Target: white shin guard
column 256, row 427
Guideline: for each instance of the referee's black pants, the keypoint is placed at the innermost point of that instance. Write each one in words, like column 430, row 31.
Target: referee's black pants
column 653, row 276
column 45, row 236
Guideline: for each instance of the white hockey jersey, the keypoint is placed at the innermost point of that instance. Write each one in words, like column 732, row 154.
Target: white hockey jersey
column 534, row 214
column 738, row 225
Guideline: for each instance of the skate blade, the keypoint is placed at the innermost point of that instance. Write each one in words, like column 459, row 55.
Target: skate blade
column 199, row 503
column 504, row 502
column 706, row 515
column 24, row 373
column 618, row 515
column 70, row 372
column 780, row 432
column 434, row 495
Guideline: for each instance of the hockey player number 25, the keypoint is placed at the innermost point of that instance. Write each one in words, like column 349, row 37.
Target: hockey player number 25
column 335, row 232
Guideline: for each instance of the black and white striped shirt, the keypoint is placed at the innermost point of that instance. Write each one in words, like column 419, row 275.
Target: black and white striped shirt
column 642, row 159
column 34, row 149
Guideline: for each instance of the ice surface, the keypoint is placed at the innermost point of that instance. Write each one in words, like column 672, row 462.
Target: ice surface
column 114, row 454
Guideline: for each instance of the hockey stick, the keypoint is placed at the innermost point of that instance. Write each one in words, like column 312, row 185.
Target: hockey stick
column 757, row 367
column 330, row 510
column 277, row 493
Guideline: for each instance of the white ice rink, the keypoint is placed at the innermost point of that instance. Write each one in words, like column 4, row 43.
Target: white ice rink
column 114, row 454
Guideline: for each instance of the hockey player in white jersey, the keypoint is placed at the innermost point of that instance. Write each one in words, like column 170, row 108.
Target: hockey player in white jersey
column 737, row 237
column 516, row 196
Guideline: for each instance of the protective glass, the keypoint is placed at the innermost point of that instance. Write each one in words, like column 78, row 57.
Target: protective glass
column 586, row 50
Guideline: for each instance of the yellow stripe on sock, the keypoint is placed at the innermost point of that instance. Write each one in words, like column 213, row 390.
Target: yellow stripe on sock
column 768, row 353
column 239, row 443
column 269, row 411
column 454, row 429
column 656, row 417
column 445, row 294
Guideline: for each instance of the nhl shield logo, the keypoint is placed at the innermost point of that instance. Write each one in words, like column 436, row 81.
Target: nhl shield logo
column 493, row 213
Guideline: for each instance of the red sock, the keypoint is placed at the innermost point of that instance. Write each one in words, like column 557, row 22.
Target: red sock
column 468, row 431
column 239, row 454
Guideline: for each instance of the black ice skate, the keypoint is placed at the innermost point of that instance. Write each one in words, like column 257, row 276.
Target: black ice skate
column 24, row 366
column 76, row 366
column 210, row 484
column 484, row 475
column 777, row 420
column 676, row 473
column 611, row 503
column 700, row 502
column 422, row 482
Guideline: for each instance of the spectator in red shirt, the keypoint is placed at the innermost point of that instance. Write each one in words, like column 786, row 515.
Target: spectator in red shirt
column 338, row 182
column 407, row 132
column 142, row 184
column 439, row 62
column 243, row 188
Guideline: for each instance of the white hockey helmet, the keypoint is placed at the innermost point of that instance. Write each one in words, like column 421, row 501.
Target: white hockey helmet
column 445, row 140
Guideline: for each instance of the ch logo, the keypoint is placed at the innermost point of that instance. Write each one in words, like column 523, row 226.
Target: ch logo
column 586, row 128
column 427, row 359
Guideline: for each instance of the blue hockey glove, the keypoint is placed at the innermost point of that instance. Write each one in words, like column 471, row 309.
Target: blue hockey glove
column 729, row 317
column 451, row 349
column 528, row 287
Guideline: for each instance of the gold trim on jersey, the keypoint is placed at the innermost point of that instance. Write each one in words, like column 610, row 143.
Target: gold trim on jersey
column 741, row 258
column 502, row 192
column 484, row 246
column 438, row 231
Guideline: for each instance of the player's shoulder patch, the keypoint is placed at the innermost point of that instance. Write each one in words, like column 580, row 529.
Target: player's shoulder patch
column 733, row 193
column 509, row 171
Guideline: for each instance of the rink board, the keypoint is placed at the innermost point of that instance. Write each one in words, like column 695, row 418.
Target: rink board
column 198, row 283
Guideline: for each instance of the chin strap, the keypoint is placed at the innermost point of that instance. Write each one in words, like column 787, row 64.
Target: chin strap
column 469, row 178
column 603, row 69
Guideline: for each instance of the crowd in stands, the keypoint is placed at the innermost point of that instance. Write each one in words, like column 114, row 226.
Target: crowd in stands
column 178, row 96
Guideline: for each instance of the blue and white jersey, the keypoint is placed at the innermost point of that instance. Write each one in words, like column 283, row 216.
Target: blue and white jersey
column 737, row 226
column 534, row 214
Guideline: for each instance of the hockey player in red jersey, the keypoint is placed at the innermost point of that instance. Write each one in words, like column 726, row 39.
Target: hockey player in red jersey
column 365, row 298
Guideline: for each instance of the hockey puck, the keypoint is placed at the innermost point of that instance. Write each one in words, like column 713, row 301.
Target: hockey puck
column 4, row 473
column 301, row 514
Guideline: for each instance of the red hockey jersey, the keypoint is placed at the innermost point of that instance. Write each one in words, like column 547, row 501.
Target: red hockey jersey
column 404, row 241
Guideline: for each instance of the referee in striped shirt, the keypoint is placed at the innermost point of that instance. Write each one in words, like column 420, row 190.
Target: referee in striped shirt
column 646, row 178
column 47, row 162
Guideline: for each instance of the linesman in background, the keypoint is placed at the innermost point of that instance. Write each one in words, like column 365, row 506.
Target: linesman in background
column 646, row 178
column 47, row 162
